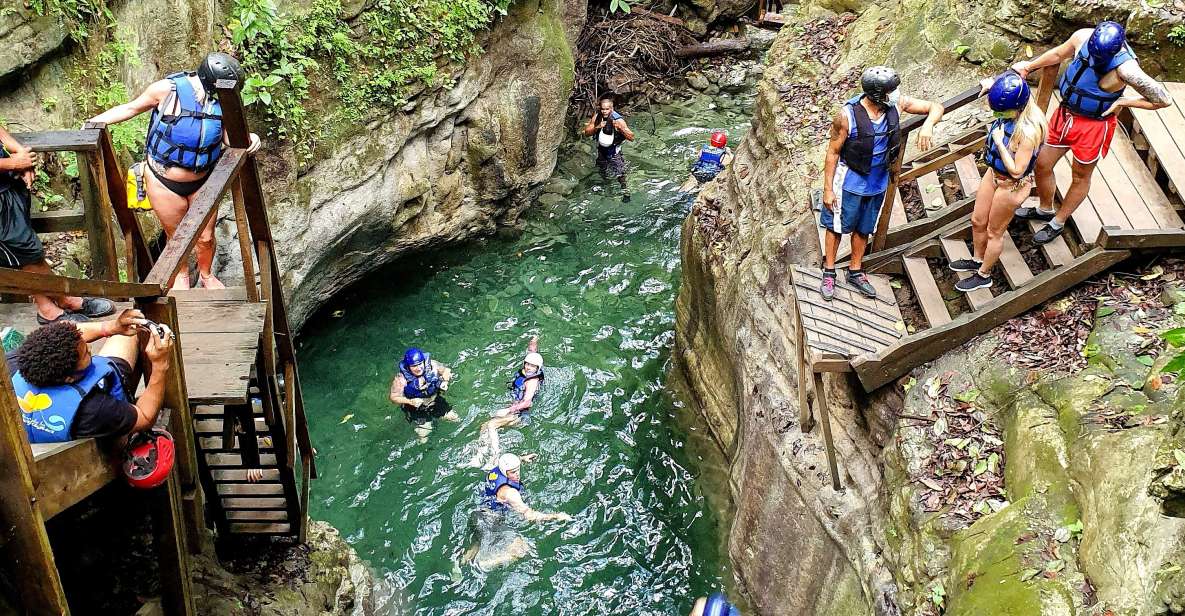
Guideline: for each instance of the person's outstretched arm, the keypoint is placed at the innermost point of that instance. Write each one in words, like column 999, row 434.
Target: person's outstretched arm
column 620, row 125
column 396, row 395
column 933, row 112
column 1054, row 55
column 151, row 97
column 515, row 500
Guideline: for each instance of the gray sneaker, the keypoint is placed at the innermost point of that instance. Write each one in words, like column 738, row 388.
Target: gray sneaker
column 860, row 281
column 827, row 289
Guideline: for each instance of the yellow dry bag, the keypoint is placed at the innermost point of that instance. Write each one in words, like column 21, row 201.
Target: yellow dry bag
column 137, row 194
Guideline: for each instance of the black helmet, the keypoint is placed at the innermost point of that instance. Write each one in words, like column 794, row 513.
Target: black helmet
column 878, row 82
column 218, row 65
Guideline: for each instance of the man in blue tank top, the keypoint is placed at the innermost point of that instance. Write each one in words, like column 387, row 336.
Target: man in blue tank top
column 864, row 147
column 1091, row 88
column 65, row 393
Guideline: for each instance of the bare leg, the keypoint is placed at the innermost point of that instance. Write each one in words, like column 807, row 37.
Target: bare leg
column 169, row 209
column 979, row 217
column 51, row 306
column 859, row 246
column 830, row 249
column 1003, row 208
column 206, row 247
column 126, row 348
column 1046, row 183
column 1079, row 187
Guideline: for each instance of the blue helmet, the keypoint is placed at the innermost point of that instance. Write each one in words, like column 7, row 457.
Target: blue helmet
column 717, row 605
column 1107, row 40
column 412, row 357
column 1009, row 92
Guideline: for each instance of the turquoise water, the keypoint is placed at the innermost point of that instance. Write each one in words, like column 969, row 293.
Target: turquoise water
column 596, row 279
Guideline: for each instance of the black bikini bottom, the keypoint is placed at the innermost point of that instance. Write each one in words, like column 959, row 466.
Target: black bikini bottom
column 181, row 189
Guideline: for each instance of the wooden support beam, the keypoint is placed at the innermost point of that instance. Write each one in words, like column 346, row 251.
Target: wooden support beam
column 172, row 558
column 806, row 421
column 164, row 310
column 877, row 369
column 202, row 209
column 27, row 556
column 58, row 221
column 60, row 140
column 1141, row 239
column 96, row 209
column 955, row 152
column 139, row 259
column 825, row 420
column 28, row 283
column 69, row 472
column 909, row 232
column 250, row 285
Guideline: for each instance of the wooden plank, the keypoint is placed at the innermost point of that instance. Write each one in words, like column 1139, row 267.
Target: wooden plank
column 28, row 556
column 805, row 420
column 200, row 318
column 1141, row 239
column 1056, row 252
column 306, row 480
column 969, row 176
column 955, row 250
column 164, row 310
column 876, row 370
column 172, row 556
column 236, row 460
column 244, row 233
column 28, row 283
column 897, row 216
column 933, row 221
column 57, row 221
column 926, row 290
column 1127, row 197
column 825, row 421
column 201, row 210
column 92, row 177
column 260, row 528
column 1086, row 220
column 954, row 153
column 930, row 187
column 1015, row 269
column 955, row 102
column 229, row 294
column 1124, row 153
column 1160, row 142
column 251, row 489
column 60, row 140
column 257, row 516
column 1172, row 116
column 214, row 426
column 69, row 472
column 255, row 503
column 240, row 475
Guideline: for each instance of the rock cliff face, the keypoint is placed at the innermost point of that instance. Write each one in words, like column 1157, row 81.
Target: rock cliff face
column 797, row 546
column 454, row 164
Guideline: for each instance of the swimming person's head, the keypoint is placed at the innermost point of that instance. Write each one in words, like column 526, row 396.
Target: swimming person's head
column 510, row 465
column 414, row 360
column 532, row 364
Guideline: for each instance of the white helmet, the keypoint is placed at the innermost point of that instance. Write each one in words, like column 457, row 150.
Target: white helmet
column 509, row 462
column 534, row 359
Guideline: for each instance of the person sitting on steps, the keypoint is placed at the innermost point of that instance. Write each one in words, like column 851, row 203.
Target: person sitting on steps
column 66, row 393
column 20, row 248
column 185, row 140
column 1085, row 121
column 864, row 146
column 1014, row 140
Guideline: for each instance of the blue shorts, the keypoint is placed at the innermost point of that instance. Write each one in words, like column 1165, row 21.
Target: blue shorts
column 857, row 213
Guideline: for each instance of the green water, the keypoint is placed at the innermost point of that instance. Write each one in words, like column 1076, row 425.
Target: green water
column 596, row 279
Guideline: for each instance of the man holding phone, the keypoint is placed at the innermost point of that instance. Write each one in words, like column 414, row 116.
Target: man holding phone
column 67, row 393
column 611, row 131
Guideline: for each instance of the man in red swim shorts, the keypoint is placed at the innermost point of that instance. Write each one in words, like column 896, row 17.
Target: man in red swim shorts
column 1102, row 65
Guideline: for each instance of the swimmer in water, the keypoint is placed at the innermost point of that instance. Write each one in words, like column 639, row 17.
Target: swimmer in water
column 714, row 605
column 497, row 542
column 525, row 386
column 417, row 388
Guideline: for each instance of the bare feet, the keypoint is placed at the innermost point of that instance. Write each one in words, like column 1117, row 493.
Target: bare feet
column 211, row 282
column 254, row 474
column 181, row 282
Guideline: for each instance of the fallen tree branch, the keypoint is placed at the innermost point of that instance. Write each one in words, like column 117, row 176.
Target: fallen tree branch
column 674, row 21
column 712, row 48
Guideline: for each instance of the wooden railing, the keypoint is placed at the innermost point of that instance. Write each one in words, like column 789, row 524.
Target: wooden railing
column 179, row 515
column 945, row 154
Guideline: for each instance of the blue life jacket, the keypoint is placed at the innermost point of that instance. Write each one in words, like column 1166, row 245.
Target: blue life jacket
column 191, row 139
column 518, row 386
column 54, row 422
column 413, row 389
column 991, row 156
column 1079, row 85
column 494, row 482
column 711, row 160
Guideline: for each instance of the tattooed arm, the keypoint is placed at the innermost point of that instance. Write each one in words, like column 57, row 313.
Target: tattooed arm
column 1153, row 94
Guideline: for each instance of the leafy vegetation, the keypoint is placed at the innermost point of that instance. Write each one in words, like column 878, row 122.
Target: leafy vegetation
column 1177, row 35
column 375, row 61
column 622, row 6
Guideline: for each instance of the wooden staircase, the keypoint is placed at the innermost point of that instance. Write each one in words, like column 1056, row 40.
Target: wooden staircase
column 1128, row 208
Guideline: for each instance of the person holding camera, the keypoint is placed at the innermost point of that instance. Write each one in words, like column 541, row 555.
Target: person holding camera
column 65, row 392
column 418, row 388
column 611, row 131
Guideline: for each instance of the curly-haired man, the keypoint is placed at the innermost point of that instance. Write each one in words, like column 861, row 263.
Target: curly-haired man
column 65, row 392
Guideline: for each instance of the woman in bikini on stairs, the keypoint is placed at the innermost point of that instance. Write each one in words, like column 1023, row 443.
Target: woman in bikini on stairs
column 185, row 140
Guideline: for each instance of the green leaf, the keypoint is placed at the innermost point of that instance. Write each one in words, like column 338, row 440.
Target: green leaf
column 961, row 49
column 993, row 462
column 1147, row 360
column 968, row 396
column 1076, row 527
column 271, row 80
column 1175, row 337
column 265, row 96
column 1175, row 364
column 1180, row 456
column 1104, row 311
column 980, row 468
column 910, row 383
column 1055, row 565
column 248, row 96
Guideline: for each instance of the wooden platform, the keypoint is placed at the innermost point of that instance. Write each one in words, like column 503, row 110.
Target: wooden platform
column 848, row 325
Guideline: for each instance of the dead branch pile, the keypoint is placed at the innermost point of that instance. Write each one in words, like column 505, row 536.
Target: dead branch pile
column 625, row 54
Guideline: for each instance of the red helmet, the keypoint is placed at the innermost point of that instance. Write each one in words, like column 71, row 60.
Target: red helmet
column 148, row 458
column 719, row 139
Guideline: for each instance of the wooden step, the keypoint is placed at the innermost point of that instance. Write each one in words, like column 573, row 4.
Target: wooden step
column 956, row 249
column 261, row 528
column 1056, row 252
column 235, row 460
column 254, row 503
column 229, row 294
column 261, row 488
column 925, row 288
column 214, row 426
column 213, row 444
column 969, row 176
column 257, row 515
column 1015, row 269
column 930, row 187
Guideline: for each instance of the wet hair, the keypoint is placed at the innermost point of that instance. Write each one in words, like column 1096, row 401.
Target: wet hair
column 50, row 354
